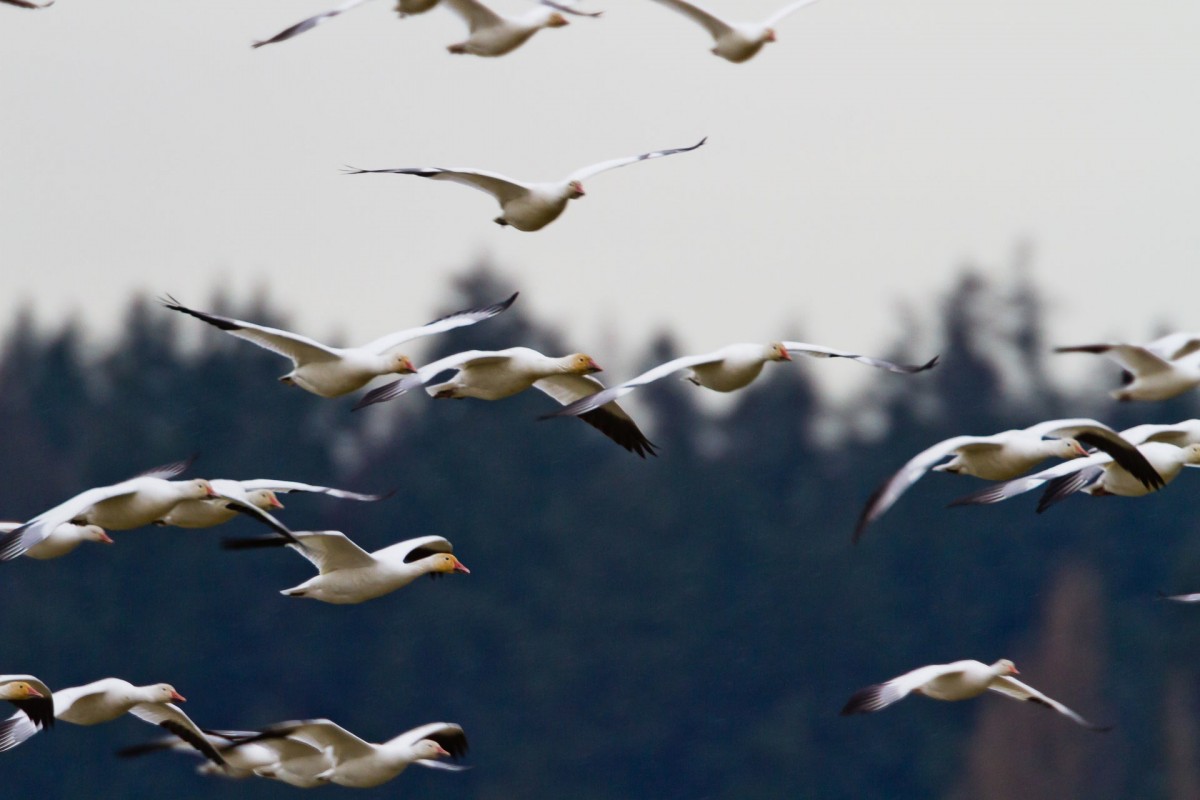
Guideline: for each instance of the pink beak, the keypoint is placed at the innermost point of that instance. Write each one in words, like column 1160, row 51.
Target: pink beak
column 177, row 696
column 460, row 567
column 275, row 502
column 105, row 538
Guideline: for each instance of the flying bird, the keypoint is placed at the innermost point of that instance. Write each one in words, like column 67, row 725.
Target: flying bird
column 1007, row 454
column 105, row 700
column 1159, row 370
column 35, row 707
column 735, row 41
column 361, row 764
column 525, row 206
column 960, row 680
column 496, row 374
column 348, row 574
column 727, row 370
column 493, row 34
column 62, row 540
column 334, row 371
column 231, row 498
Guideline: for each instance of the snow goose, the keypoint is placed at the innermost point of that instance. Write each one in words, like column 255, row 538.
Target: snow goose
column 496, row 374
column 259, row 492
column 960, row 680
column 1097, row 475
column 1160, row 370
column 493, row 34
column 403, row 8
column 288, row 760
column 525, row 206
column 349, row 574
column 334, row 371
column 735, row 41
column 35, row 708
column 108, row 698
column 62, row 540
column 361, row 764
column 1007, row 454
column 726, row 370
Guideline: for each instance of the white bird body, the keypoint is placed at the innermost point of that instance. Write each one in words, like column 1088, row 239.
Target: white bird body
column 496, row 374
column 334, row 371
column 62, row 540
column 734, row 41
column 259, row 492
column 960, row 680
column 361, row 764
column 348, row 574
column 1168, row 461
column 1160, row 370
column 726, row 370
column 525, row 206
column 493, row 34
column 1005, row 455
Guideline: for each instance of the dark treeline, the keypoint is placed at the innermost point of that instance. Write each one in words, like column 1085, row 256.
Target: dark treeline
column 684, row 627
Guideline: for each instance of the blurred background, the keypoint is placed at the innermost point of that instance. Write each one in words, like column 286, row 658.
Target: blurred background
column 902, row 179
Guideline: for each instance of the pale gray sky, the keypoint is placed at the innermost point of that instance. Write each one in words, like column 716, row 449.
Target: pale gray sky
column 860, row 160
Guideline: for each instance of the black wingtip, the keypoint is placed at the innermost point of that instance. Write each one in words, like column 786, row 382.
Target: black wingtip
column 863, row 701
column 254, row 542
column 930, row 364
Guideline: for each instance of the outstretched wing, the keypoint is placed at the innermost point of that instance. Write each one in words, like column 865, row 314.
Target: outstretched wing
column 1004, row 490
column 610, row 419
column 714, row 25
column 425, row 374
column 17, row 541
column 311, row 22
column 455, row 320
column 786, row 11
column 1137, row 360
column 1014, row 688
column 881, row 695
column 286, row 487
column 590, row 402
column 172, row 718
column 300, row 349
column 603, row 166
column 498, row 186
column 820, row 351
column 1098, row 435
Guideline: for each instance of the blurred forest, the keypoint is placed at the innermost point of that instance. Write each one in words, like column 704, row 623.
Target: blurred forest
column 682, row 627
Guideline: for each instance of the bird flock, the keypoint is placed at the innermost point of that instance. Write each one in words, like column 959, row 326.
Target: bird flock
column 1096, row 459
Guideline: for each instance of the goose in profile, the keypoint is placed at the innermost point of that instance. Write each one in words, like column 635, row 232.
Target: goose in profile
column 280, row 758
column 1007, row 454
column 403, row 8
column 496, row 374
column 728, row 369
column 35, row 708
column 259, row 492
column 960, row 680
column 62, row 540
column 108, row 698
column 735, row 41
column 493, row 34
column 1097, row 475
column 334, row 371
column 348, row 574
column 525, row 206
column 361, row 764
column 1160, row 370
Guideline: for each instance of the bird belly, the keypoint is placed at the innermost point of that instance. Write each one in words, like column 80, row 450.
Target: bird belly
column 1161, row 386
column 999, row 465
column 1119, row 482
column 331, row 378
column 533, row 212
column 199, row 514
column 497, row 41
column 736, row 47
column 726, row 377
column 349, row 586
column 363, row 773
column 53, row 546
column 952, row 687
column 129, row 511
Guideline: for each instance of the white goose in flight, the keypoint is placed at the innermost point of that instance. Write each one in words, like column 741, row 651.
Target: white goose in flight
column 960, row 680
column 334, row 371
column 348, row 574
column 525, row 206
column 1007, row 454
column 493, row 34
column 735, row 41
column 1159, row 370
column 728, row 369
column 62, row 540
column 361, row 764
column 108, row 698
column 496, row 374
column 259, row 492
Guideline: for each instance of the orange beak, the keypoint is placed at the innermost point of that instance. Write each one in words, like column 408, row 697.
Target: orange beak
column 784, row 355
column 275, row 502
column 35, row 693
column 406, row 365
column 442, row 751
column 208, row 490
column 460, row 567
column 595, row 367
column 178, row 697
column 105, row 538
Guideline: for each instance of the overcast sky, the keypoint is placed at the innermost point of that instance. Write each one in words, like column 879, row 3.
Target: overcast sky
column 862, row 159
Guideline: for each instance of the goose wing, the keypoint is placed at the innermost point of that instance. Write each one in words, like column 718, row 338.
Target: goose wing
column 586, row 172
column 455, row 320
column 300, row 349
column 311, row 22
column 1131, row 357
column 172, row 718
column 1005, row 490
column 820, row 351
column 476, row 14
column 498, row 186
column 881, row 695
column 18, row 540
column 425, row 374
column 1014, row 688
column 787, row 11
column 1098, row 435
column 715, row 26
column 590, row 402
column 286, row 487
column 610, row 419
column 322, row 734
